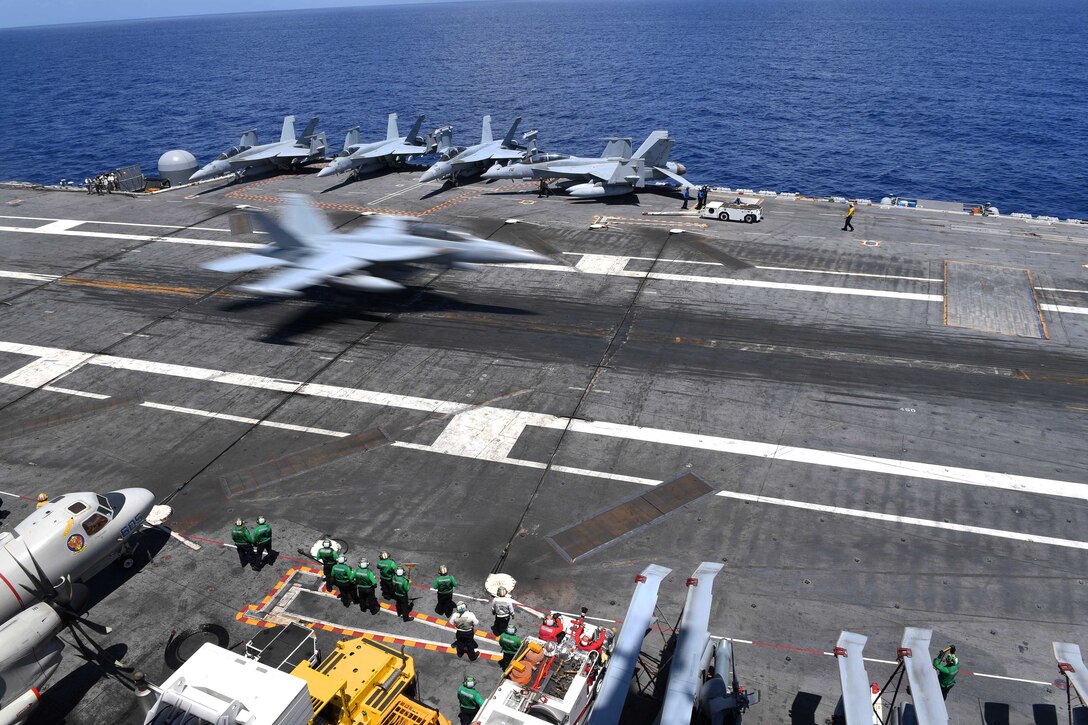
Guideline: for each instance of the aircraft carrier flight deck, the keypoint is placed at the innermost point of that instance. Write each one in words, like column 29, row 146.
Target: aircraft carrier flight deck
column 890, row 424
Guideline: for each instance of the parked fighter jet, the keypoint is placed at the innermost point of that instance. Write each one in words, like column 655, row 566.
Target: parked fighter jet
column 615, row 172
column 287, row 153
column 393, row 151
column 43, row 565
column 304, row 243
column 457, row 163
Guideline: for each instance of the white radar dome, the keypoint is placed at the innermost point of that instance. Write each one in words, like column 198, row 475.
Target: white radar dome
column 177, row 166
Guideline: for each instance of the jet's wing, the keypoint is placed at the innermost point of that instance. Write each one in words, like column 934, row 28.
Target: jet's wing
column 481, row 154
column 604, row 170
column 306, row 272
column 508, row 154
column 675, row 177
column 273, row 151
column 301, row 219
column 243, row 263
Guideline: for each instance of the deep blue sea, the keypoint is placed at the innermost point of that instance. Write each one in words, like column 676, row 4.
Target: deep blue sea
column 967, row 100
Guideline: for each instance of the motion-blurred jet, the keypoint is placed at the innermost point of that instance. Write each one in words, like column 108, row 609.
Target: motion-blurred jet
column 287, row 153
column 393, row 151
column 311, row 253
column 457, row 163
column 615, row 172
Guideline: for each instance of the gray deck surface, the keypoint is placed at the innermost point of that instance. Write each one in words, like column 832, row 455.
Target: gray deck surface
column 992, row 299
column 877, row 468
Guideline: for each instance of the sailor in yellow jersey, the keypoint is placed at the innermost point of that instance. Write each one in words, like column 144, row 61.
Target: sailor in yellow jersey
column 848, row 225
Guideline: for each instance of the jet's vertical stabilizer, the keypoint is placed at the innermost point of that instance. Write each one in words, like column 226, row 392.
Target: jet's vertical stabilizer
column 318, row 144
column 443, row 138
column 392, row 133
column 617, row 148
column 529, row 137
column 248, row 140
column 655, row 149
column 351, row 138
column 308, row 132
column 413, row 136
column 509, row 139
column 637, row 621
column 485, row 132
column 287, row 133
column 691, row 640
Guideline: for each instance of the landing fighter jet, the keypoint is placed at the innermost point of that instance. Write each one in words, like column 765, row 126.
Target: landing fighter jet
column 311, row 253
column 615, row 172
column 457, row 163
column 287, row 153
column 393, row 151
column 43, row 566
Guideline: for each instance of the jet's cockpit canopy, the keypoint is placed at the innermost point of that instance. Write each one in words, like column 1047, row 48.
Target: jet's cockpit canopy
column 232, row 151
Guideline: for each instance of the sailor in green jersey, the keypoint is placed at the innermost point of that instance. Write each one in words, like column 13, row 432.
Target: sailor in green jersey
column 402, row 589
column 387, row 569
column 444, row 584
column 343, row 576
column 326, row 556
column 948, row 666
column 510, row 643
column 469, row 699
column 262, row 541
column 243, row 541
column 365, row 583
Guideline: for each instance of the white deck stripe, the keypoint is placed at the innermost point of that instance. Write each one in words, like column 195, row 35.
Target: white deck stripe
column 487, row 432
column 130, row 237
column 1064, row 308
column 767, row 500
column 75, row 222
column 33, row 276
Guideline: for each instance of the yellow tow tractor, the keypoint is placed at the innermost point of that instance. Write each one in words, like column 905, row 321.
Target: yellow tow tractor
column 279, row 682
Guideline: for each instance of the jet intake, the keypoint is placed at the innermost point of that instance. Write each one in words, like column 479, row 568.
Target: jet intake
column 676, row 168
column 595, row 191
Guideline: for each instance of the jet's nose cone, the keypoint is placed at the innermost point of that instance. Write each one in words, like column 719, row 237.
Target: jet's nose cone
column 495, row 172
column 435, row 172
column 332, row 168
column 210, row 170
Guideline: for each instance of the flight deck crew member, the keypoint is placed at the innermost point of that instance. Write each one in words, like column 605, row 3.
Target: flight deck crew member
column 510, row 643
column 365, row 583
column 848, row 224
column 326, row 556
column 402, row 590
column 43, row 499
column 243, row 541
column 444, row 584
column 343, row 576
column 544, row 190
column 387, row 569
column 469, row 700
column 262, row 540
column 465, row 622
column 687, row 198
column 706, row 196
column 948, row 666
column 502, row 607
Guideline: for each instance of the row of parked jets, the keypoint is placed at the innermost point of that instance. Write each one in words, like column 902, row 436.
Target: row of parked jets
column 616, row 171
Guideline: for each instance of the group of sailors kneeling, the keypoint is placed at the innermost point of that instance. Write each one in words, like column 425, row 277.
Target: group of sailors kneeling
column 358, row 585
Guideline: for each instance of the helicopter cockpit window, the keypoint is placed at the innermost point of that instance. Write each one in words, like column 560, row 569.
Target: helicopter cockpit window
column 94, row 523
column 77, row 507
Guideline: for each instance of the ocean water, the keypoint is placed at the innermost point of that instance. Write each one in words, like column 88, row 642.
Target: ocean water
column 967, row 100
